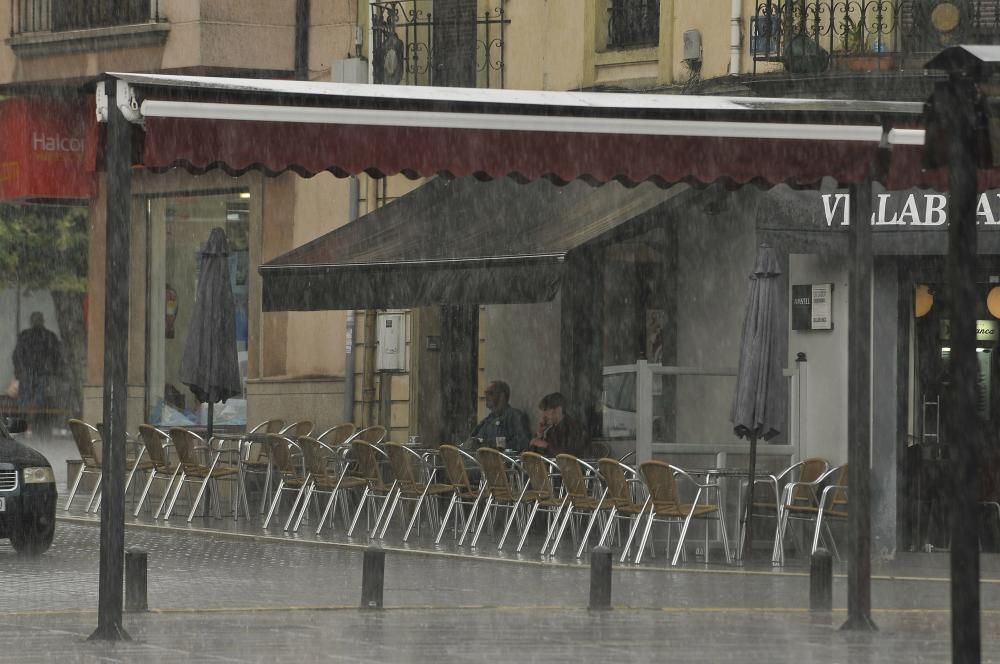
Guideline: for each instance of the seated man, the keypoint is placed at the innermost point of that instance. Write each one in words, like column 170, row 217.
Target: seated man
column 504, row 426
column 559, row 433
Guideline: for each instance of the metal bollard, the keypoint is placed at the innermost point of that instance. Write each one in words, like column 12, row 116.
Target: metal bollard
column 821, row 581
column 600, row 579
column 372, row 578
column 135, row 580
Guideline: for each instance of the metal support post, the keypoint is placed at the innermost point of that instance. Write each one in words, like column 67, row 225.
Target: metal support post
column 136, row 560
column 600, row 579
column 118, row 156
column 373, row 578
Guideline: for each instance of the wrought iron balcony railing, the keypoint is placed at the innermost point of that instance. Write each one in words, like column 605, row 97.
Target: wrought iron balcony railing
column 30, row 16
column 403, row 38
column 813, row 35
column 633, row 23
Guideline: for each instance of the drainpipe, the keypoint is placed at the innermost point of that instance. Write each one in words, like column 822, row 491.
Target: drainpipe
column 368, row 377
column 352, row 214
column 302, row 40
column 735, row 25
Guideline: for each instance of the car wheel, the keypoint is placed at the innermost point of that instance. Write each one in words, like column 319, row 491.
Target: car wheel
column 33, row 537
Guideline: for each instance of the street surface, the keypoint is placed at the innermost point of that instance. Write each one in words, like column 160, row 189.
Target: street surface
column 231, row 597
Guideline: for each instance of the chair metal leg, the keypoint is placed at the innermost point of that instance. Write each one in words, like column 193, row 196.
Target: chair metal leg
column 645, row 535
column 482, row 521
column 295, row 505
column 590, row 524
column 357, row 512
column 555, row 523
column 684, row 528
column 385, row 506
column 416, row 511
column 633, row 529
column 76, row 485
column 527, row 526
column 607, row 527
column 309, row 490
column 274, row 503
column 201, row 494
column 166, row 493
column 93, row 494
column 472, row 516
column 173, row 499
column 512, row 517
column 444, row 521
column 562, row 528
column 145, row 492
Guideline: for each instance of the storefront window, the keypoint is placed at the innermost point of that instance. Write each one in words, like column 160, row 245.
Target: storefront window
column 178, row 227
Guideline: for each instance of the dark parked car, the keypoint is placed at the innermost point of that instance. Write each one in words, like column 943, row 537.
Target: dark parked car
column 27, row 493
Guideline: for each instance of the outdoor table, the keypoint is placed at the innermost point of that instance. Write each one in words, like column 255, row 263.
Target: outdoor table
column 730, row 473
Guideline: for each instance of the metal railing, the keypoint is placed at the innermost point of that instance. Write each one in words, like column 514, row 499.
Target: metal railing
column 30, row 16
column 404, row 26
column 633, row 23
column 814, row 35
column 645, row 446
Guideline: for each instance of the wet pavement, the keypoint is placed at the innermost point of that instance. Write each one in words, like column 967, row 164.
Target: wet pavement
column 238, row 597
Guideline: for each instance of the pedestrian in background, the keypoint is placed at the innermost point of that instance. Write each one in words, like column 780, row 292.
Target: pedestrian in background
column 37, row 363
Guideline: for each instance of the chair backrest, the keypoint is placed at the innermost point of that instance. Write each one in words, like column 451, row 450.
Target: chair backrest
column 337, row 435
column 495, row 473
column 317, row 456
column 269, row 426
column 87, row 439
column 613, row 474
column 367, row 456
column 454, row 466
column 279, row 450
column 571, row 470
column 401, row 460
column 659, row 480
column 374, row 435
column 809, row 471
column 185, row 442
column 837, row 477
column 537, row 468
column 153, row 440
column 296, row 429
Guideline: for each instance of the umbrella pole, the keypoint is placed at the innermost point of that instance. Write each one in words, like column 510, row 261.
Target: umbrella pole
column 208, row 434
column 748, row 511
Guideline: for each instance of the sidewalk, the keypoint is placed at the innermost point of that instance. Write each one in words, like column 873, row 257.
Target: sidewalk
column 243, row 598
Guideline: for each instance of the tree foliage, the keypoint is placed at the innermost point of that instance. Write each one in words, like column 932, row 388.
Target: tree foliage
column 43, row 247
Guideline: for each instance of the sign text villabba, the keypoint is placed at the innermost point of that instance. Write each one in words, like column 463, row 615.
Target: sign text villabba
column 916, row 210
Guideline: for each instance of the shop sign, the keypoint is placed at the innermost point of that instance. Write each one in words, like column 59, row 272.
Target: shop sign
column 986, row 330
column 812, row 307
column 917, row 209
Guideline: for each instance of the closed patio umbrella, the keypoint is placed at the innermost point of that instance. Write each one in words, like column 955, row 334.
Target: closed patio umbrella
column 758, row 409
column 209, row 365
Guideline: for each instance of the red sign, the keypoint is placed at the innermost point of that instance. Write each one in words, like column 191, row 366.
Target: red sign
column 46, row 148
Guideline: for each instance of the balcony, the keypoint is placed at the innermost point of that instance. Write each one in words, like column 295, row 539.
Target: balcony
column 814, row 36
column 39, row 27
column 633, row 24
column 403, row 39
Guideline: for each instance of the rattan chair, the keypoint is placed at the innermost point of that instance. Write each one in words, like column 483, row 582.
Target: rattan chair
column 157, row 445
column 414, row 482
column 665, row 505
column 804, row 475
column 539, row 491
column 577, row 476
column 88, row 446
column 456, row 463
column 199, row 465
column 319, row 459
column 337, row 435
column 498, row 489
column 255, row 460
column 622, row 483
column 368, row 461
column 374, row 435
column 832, row 503
column 288, row 462
column 296, row 429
